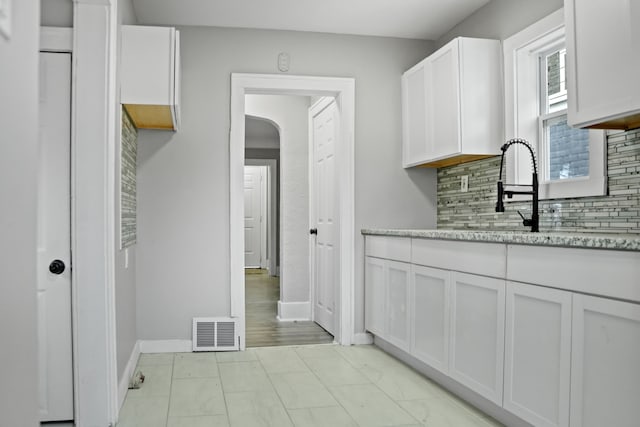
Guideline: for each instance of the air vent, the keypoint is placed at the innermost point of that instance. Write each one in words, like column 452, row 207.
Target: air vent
column 214, row 334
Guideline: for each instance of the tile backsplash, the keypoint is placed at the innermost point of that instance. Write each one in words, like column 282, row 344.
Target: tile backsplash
column 128, row 189
column 618, row 212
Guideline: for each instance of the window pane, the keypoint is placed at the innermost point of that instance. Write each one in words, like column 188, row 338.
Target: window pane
column 568, row 150
column 556, row 93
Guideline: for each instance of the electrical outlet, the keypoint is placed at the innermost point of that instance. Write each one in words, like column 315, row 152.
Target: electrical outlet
column 5, row 18
column 464, row 183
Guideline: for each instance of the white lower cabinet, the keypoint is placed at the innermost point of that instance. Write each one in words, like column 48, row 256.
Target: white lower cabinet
column 476, row 354
column 397, row 315
column 387, row 300
column 537, row 354
column 544, row 351
column 375, row 295
column 605, row 363
column 430, row 294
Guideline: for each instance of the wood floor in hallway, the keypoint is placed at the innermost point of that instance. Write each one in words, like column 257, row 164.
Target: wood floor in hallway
column 262, row 327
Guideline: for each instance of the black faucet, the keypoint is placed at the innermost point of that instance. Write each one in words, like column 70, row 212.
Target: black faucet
column 535, row 218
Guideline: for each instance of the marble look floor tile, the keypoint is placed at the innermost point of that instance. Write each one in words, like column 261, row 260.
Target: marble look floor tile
column 276, row 360
column 442, row 413
column 144, row 411
column 195, row 365
column 256, row 408
column 301, row 390
column 336, row 371
column 369, row 406
column 248, row 355
column 243, row 376
column 402, row 383
column 325, row 351
column 206, row 421
column 365, row 356
column 148, row 359
column 196, row 396
column 157, row 381
column 334, row 416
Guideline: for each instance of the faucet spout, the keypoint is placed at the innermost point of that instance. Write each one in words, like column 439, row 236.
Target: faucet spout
column 535, row 216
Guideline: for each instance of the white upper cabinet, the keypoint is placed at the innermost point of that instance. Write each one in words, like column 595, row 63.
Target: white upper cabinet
column 603, row 63
column 452, row 108
column 150, row 76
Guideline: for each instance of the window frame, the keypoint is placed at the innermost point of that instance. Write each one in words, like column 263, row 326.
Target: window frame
column 523, row 89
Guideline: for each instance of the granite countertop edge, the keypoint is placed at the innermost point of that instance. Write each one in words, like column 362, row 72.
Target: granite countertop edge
column 623, row 242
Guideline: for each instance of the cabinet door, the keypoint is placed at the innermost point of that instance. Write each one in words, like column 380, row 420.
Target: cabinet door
column 375, row 296
column 414, row 142
column 443, row 102
column 430, row 293
column 397, row 284
column 605, row 363
column 476, row 355
column 538, row 354
column 599, row 91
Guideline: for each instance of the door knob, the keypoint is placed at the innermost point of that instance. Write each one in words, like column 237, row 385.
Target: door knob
column 56, row 266
column 313, row 231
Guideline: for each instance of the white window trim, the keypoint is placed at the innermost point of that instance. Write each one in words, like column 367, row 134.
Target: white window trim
column 522, row 109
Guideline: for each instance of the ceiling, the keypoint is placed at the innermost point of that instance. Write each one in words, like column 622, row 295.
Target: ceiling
column 413, row 19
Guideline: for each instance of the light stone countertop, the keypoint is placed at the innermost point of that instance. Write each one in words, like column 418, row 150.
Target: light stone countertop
column 622, row 242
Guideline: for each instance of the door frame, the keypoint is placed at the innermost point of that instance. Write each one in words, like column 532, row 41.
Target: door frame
column 343, row 89
column 272, row 188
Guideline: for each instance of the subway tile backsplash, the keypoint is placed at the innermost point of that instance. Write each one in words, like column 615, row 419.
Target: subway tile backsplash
column 618, row 212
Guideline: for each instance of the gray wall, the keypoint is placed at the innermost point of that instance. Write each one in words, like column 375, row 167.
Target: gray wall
column 18, row 185
column 183, row 178
column 500, row 19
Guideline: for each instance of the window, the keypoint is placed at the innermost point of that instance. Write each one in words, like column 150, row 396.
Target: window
column 571, row 162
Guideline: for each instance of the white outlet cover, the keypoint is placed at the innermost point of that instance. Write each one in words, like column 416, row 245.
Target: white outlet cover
column 5, row 18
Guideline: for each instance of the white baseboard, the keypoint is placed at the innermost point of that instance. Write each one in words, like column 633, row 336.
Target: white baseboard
column 129, row 370
column 166, row 346
column 291, row 311
column 362, row 338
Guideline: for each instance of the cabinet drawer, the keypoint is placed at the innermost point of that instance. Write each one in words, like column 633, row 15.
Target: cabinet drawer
column 600, row 272
column 488, row 259
column 394, row 248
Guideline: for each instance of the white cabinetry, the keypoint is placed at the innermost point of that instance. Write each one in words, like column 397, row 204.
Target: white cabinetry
column 387, row 293
column 605, row 368
column 430, row 294
column 397, row 314
column 603, row 63
column 451, row 108
column 538, row 354
column 375, row 295
column 477, row 334
column 150, row 76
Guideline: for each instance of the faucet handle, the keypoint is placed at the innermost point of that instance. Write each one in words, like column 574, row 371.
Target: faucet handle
column 526, row 222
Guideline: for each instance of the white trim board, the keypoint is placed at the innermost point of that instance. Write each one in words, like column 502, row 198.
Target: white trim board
column 94, row 133
column 343, row 89
column 128, row 373
column 293, row 311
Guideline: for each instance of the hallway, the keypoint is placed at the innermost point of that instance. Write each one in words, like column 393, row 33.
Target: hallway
column 263, row 329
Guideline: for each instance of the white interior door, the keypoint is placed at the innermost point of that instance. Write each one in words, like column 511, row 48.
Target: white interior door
column 252, row 217
column 54, row 239
column 324, row 263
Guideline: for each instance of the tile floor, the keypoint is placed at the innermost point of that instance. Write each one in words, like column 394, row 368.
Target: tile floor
column 321, row 385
